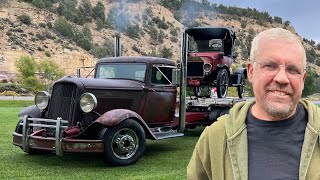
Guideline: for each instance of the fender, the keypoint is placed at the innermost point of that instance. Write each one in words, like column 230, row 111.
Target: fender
column 115, row 116
column 31, row 111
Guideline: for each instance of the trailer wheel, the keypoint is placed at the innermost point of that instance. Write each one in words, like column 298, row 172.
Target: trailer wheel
column 240, row 88
column 124, row 143
column 222, row 83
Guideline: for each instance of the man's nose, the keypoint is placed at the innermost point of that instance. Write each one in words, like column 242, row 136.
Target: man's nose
column 281, row 76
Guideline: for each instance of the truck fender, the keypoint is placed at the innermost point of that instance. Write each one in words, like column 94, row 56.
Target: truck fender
column 241, row 71
column 115, row 116
column 31, row 111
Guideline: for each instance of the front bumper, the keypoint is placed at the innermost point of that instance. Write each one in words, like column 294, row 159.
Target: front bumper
column 57, row 144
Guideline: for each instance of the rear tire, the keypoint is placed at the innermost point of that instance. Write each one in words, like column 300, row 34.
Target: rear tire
column 240, row 88
column 124, row 143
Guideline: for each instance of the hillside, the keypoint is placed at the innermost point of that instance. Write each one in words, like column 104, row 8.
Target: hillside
column 146, row 28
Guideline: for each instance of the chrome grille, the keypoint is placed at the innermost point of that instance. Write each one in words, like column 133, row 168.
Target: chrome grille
column 62, row 102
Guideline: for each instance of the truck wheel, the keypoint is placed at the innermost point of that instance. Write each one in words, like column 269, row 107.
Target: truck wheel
column 124, row 143
column 222, row 83
column 240, row 88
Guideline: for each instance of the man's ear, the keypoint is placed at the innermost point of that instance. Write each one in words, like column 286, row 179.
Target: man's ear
column 249, row 71
column 303, row 79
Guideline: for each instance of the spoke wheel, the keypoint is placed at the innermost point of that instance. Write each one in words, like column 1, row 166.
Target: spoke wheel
column 240, row 88
column 124, row 143
column 222, row 83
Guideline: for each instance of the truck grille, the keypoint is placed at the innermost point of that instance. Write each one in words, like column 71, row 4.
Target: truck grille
column 62, row 102
column 195, row 69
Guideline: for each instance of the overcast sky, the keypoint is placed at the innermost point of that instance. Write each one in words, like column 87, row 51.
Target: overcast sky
column 303, row 14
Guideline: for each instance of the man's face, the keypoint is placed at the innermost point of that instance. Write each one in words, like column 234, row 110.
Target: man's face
column 276, row 95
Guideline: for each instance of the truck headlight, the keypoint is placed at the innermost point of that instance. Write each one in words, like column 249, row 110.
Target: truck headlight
column 207, row 67
column 88, row 102
column 42, row 100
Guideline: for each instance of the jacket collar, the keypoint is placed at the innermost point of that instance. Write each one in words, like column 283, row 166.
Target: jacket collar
column 236, row 122
column 313, row 115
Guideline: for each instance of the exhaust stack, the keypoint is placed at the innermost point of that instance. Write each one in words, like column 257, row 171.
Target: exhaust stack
column 117, row 45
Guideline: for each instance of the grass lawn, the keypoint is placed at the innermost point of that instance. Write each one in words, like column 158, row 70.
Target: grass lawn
column 164, row 159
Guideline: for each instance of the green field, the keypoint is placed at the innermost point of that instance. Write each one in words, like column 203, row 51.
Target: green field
column 164, row 159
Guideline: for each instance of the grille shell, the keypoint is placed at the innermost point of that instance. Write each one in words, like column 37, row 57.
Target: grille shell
column 195, row 69
column 63, row 102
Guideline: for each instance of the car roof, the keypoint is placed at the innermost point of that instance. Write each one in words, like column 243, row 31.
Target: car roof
column 204, row 33
column 141, row 59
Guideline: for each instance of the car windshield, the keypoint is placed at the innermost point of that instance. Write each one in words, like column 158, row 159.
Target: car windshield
column 205, row 45
column 135, row 71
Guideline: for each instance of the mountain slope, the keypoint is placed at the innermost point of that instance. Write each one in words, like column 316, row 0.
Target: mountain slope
column 145, row 27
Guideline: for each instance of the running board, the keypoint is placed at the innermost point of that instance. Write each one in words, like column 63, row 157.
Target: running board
column 165, row 133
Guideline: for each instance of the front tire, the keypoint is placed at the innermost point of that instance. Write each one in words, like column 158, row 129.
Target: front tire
column 124, row 143
column 222, row 83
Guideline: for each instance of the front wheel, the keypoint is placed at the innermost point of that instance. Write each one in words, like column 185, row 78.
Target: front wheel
column 222, row 83
column 124, row 143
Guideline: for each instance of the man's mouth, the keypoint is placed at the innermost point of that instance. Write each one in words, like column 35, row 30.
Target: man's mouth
column 280, row 93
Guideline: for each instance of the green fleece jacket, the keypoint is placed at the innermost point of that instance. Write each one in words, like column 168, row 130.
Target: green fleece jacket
column 221, row 152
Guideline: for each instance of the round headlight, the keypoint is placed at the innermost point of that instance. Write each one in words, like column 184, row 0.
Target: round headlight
column 42, row 100
column 207, row 67
column 88, row 102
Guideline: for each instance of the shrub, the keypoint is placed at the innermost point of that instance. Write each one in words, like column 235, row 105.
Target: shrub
column 49, row 72
column 14, row 87
column 27, row 68
column 99, row 11
column 133, row 32
column 86, row 9
column 136, row 49
column 49, row 25
column 64, row 28
column 83, row 38
column 166, row 53
column 47, row 53
column 43, row 25
column 99, row 24
column 9, row 93
column 174, row 31
column 38, row 3
column 25, row 19
column 173, row 39
column 160, row 23
column 311, row 84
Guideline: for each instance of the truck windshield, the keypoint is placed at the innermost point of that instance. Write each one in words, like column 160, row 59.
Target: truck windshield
column 134, row 71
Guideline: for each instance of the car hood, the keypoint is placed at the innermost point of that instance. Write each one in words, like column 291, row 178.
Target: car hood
column 91, row 83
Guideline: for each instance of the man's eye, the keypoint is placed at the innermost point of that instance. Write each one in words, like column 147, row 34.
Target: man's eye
column 293, row 70
column 270, row 66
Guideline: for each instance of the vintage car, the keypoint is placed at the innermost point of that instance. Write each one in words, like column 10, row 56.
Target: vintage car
column 210, row 55
column 129, row 100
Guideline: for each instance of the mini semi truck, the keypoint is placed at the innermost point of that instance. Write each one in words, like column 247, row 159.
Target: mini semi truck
column 128, row 100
